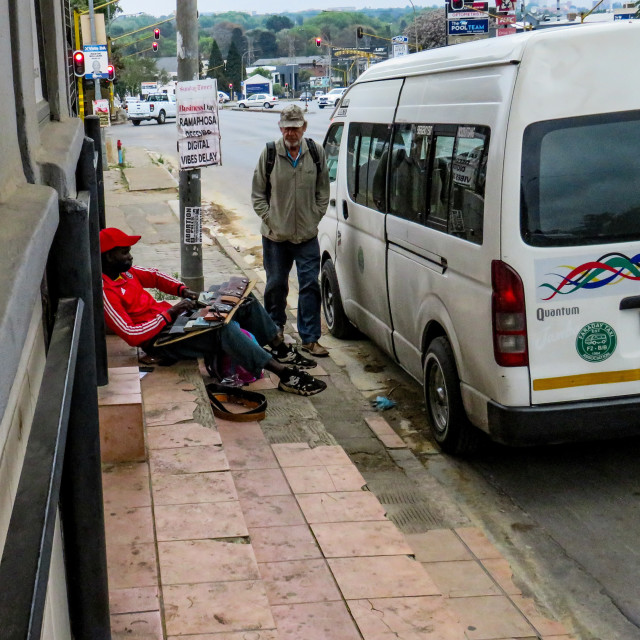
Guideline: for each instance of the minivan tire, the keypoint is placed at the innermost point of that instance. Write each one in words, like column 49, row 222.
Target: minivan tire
column 136, row 123
column 449, row 423
column 162, row 117
column 334, row 315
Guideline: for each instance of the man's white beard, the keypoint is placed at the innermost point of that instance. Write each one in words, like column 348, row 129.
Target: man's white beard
column 291, row 145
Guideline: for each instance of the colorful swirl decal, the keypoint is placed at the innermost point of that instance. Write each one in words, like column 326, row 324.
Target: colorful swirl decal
column 616, row 266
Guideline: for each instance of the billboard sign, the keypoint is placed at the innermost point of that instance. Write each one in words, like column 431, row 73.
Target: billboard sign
column 467, row 27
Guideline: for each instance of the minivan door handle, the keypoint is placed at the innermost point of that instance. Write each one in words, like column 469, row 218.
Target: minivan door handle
column 332, row 202
column 632, row 302
column 345, row 209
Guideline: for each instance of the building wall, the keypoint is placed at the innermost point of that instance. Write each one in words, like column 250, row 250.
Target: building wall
column 39, row 149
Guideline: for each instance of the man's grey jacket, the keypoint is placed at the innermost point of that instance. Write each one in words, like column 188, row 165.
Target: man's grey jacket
column 299, row 196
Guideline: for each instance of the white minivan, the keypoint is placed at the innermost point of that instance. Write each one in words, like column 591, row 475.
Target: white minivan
column 484, row 230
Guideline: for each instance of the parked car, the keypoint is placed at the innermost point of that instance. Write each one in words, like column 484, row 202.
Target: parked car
column 129, row 100
column 306, row 95
column 332, row 98
column 258, row 100
column 223, row 97
column 157, row 106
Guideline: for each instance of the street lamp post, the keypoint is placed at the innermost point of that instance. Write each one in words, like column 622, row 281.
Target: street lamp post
column 415, row 23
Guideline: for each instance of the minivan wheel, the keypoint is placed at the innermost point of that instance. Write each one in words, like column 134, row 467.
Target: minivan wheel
column 449, row 423
column 334, row 314
column 162, row 118
column 136, row 123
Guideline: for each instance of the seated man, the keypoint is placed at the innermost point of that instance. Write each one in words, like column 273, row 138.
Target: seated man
column 133, row 314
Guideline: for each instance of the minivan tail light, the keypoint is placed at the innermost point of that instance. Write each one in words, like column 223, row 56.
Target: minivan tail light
column 508, row 316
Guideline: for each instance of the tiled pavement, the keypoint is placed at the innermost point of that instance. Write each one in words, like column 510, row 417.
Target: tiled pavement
column 223, row 536
column 227, row 534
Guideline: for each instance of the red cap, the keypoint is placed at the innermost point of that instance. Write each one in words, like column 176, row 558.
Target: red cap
column 110, row 238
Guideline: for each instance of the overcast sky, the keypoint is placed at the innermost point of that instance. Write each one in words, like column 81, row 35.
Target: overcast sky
column 165, row 7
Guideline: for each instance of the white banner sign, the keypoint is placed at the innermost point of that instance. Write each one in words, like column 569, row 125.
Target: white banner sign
column 198, row 124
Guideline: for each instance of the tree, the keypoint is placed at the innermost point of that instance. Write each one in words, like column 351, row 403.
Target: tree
column 216, row 65
column 239, row 40
column 135, row 71
column 265, row 73
column 431, row 29
column 277, row 23
column 234, row 67
column 267, row 44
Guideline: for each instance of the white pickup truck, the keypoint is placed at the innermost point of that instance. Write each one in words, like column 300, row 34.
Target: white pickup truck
column 156, row 106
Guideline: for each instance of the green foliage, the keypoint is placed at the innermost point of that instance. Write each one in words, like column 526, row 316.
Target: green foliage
column 234, row 67
column 277, row 89
column 217, row 67
column 265, row 73
column 277, row 23
column 136, row 70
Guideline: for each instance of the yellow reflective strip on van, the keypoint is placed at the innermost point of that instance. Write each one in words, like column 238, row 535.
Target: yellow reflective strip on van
column 585, row 379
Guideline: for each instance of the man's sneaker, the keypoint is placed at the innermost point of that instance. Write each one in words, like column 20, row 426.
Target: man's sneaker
column 300, row 382
column 286, row 354
column 315, row 349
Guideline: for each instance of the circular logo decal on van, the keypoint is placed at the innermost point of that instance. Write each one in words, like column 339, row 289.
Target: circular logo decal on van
column 596, row 341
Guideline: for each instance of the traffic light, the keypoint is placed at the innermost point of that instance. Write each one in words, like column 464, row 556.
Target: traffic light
column 78, row 63
column 156, row 34
column 457, row 5
column 111, row 73
column 154, row 46
column 286, row 85
column 318, row 42
column 359, row 32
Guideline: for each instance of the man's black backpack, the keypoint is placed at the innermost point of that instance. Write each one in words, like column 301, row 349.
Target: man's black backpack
column 271, row 160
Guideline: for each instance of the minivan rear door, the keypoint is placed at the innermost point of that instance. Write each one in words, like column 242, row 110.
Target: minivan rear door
column 580, row 261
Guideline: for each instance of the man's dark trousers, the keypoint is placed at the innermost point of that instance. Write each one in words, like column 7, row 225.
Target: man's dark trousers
column 229, row 339
column 278, row 258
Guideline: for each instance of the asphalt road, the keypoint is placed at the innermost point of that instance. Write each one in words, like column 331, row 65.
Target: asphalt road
column 567, row 517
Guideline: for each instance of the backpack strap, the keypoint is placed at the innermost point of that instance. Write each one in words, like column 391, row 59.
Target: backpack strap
column 313, row 150
column 271, row 160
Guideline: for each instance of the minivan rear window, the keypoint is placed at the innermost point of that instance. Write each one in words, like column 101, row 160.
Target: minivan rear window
column 580, row 182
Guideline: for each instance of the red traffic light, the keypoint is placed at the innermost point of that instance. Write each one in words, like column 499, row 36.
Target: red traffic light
column 154, row 46
column 111, row 73
column 457, row 5
column 318, row 42
column 78, row 63
column 231, row 85
column 156, row 34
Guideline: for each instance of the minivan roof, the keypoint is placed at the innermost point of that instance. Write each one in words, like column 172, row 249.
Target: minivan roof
column 488, row 52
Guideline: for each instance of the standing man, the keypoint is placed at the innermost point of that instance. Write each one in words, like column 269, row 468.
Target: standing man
column 290, row 193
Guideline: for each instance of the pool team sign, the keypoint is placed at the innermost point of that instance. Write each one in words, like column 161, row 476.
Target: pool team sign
column 197, row 121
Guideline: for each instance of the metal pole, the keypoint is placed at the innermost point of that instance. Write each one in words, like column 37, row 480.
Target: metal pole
column 92, row 22
column 189, row 184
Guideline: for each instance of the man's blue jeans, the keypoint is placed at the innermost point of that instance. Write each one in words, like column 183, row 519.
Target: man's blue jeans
column 278, row 258
column 229, row 339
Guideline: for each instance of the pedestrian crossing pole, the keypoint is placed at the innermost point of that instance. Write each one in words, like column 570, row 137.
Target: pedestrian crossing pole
column 189, row 183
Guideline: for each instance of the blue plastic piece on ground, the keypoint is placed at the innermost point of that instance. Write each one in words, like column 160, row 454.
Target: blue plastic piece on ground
column 381, row 403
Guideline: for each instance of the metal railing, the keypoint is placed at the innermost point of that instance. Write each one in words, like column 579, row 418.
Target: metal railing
column 26, row 558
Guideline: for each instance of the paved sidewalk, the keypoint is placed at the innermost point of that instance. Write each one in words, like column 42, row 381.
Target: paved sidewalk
column 285, row 529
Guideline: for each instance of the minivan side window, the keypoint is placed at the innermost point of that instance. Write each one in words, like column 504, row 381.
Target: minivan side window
column 408, row 172
column 437, row 177
column 367, row 148
column 332, row 149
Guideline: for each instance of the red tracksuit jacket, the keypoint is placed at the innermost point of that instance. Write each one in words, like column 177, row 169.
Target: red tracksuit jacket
column 133, row 313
